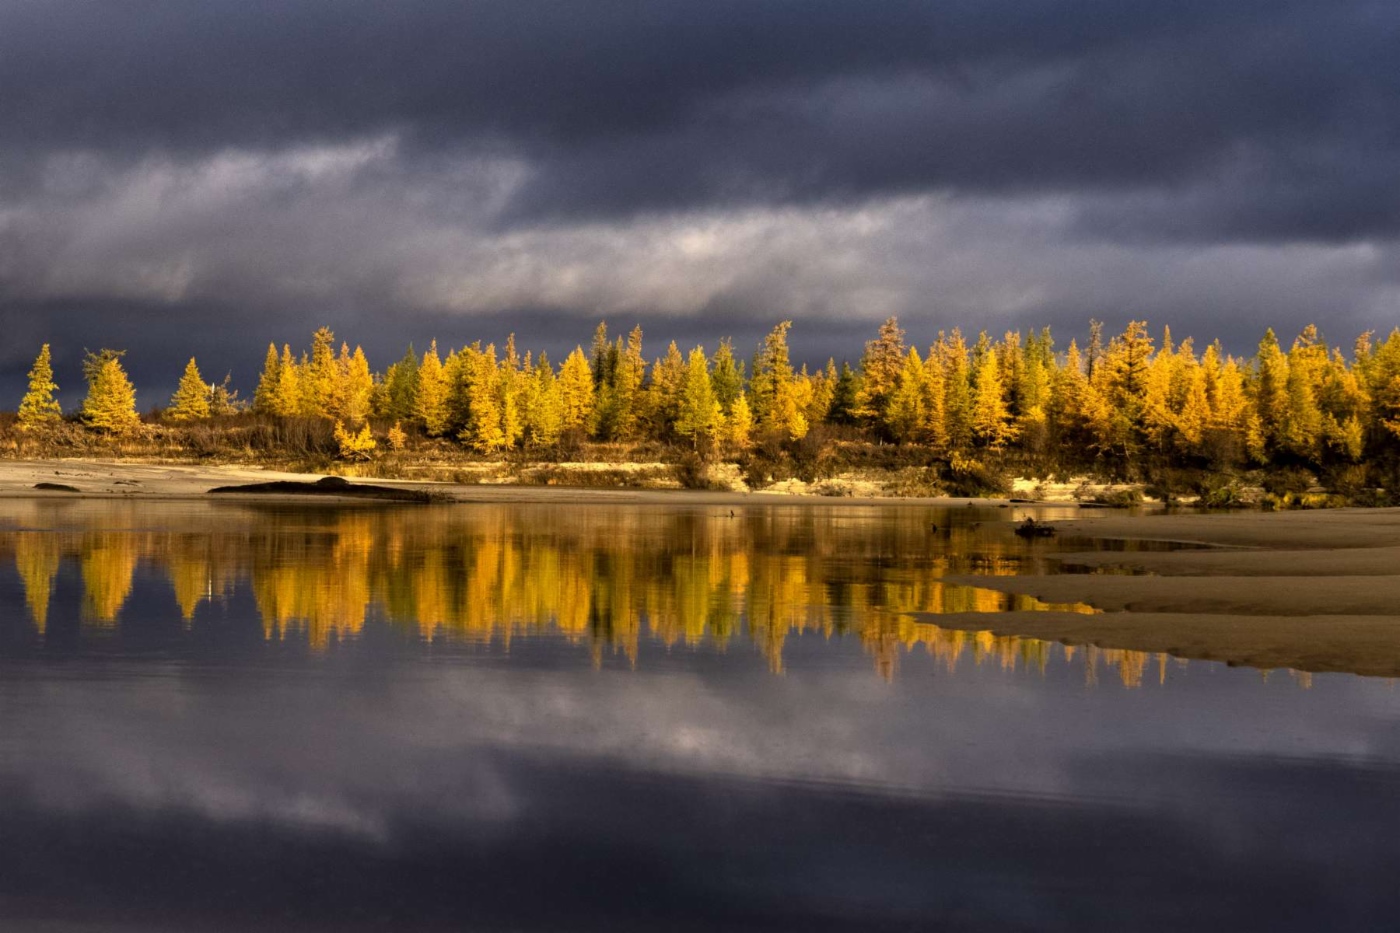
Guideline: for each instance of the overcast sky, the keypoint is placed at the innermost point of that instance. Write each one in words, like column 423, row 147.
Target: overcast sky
column 204, row 177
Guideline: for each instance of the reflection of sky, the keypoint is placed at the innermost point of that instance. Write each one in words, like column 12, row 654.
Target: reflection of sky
column 155, row 773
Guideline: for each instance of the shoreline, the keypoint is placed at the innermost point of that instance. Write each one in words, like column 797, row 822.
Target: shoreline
column 129, row 479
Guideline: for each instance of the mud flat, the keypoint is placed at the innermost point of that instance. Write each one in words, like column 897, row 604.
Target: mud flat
column 1314, row 591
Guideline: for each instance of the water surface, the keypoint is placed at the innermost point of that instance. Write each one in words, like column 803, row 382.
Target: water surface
column 220, row 717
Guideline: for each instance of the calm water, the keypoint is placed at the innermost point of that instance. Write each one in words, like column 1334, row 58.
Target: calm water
column 216, row 717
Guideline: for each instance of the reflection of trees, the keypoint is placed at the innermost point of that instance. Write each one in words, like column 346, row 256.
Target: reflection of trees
column 604, row 576
column 37, row 556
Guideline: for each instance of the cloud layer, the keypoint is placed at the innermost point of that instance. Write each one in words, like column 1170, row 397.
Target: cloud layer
column 431, row 168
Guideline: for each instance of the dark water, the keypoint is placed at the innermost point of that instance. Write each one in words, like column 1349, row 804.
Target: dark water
column 639, row 718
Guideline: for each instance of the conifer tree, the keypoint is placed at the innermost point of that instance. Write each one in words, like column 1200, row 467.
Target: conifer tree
column 738, row 424
column 726, row 376
column 698, row 413
column 843, row 396
column 320, row 377
column 576, row 391
column 663, row 395
column 288, row 399
column 38, row 407
column 354, row 386
column 544, row 401
column 905, row 415
column 481, row 392
column 430, row 401
column 991, row 419
column 772, row 395
column 110, row 405
column 1271, row 390
column 191, row 399
column 957, row 389
column 265, row 396
column 400, row 393
column 880, row 368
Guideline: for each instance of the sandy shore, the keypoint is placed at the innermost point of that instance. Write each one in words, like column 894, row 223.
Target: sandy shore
column 1315, row 591
column 124, row 479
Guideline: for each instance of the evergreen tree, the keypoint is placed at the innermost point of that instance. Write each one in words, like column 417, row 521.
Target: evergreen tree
column 401, row 387
column 727, row 376
column 191, row 399
column 110, row 405
column 38, row 407
column 843, row 396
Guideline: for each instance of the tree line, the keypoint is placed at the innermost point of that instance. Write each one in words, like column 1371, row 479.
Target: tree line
column 1114, row 402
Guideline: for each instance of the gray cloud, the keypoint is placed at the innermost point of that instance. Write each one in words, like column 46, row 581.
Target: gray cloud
column 418, row 168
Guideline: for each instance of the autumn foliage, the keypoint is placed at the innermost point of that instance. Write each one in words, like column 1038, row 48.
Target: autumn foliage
column 1129, row 405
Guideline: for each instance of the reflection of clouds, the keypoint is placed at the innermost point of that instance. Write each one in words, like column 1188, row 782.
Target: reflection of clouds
column 357, row 750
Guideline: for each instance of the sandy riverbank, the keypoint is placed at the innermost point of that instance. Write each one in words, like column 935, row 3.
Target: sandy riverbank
column 125, row 479
column 1315, row 591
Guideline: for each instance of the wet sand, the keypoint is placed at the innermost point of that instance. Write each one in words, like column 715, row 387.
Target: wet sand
column 1315, row 591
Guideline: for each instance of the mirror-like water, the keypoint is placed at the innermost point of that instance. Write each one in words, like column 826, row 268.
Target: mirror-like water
column 609, row 717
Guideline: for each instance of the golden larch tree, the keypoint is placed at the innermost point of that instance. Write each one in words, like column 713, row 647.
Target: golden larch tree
column 39, row 407
column 110, row 404
column 191, row 399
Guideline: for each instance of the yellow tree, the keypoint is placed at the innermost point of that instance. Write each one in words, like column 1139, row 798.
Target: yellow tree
column 38, row 407
column 430, row 401
column 320, row 376
column 951, row 353
column 288, row 399
column 481, row 390
column 880, row 367
column 544, row 401
column 991, row 419
column 576, row 390
column 738, row 423
column 698, row 413
column 265, row 396
column 110, row 405
column 663, row 395
column 773, row 396
column 905, row 410
column 354, row 386
column 191, row 399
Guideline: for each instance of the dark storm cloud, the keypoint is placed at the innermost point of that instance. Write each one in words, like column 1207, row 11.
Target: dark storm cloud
column 200, row 178
column 618, row 107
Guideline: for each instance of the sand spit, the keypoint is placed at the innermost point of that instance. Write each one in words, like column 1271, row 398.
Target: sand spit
column 1314, row 591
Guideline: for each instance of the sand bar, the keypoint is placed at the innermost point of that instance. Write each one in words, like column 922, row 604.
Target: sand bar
column 1313, row 590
